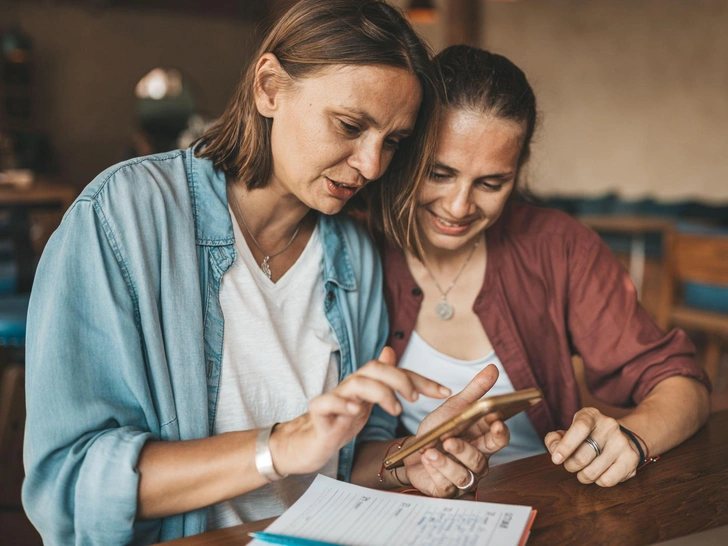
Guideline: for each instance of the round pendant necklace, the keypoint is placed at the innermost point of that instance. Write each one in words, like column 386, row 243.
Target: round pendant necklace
column 265, row 264
column 444, row 309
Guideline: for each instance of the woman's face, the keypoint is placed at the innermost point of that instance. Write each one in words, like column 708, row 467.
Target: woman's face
column 338, row 130
column 476, row 164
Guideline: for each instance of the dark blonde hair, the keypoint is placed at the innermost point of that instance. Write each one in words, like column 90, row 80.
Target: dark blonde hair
column 313, row 35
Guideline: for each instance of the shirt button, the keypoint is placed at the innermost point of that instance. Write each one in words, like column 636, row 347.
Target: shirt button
column 399, row 334
column 330, row 296
column 416, row 291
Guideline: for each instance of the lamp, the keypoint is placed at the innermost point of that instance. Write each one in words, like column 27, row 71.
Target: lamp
column 422, row 12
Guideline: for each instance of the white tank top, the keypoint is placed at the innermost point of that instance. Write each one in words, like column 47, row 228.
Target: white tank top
column 279, row 352
column 455, row 374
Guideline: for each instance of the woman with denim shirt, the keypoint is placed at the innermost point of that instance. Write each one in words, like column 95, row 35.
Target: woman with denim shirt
column 204, row 333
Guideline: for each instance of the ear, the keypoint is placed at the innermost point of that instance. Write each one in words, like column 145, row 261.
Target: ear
column 269, row 81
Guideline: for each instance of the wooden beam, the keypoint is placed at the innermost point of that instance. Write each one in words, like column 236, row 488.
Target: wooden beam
column 462, row 20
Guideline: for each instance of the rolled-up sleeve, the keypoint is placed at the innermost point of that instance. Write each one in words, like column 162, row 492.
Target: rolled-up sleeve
column 89, row 409
column 625, row 353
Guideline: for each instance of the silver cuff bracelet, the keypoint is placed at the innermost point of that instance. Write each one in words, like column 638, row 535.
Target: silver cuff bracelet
column 263, row 458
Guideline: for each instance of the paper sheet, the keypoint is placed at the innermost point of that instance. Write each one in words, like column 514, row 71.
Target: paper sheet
column 343, row 513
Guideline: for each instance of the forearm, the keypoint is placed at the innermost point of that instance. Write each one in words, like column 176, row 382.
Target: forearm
column 176, row 477
column 368, row 463
column 673, row 411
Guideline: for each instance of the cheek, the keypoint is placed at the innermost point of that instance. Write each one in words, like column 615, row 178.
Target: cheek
column 429, row 193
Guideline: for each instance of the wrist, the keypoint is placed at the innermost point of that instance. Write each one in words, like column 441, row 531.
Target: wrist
column 268, row 449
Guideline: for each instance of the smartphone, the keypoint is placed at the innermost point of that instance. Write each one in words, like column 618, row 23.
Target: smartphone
column 503, row 406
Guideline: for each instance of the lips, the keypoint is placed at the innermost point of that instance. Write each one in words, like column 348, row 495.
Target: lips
column 341, row 190
column 448, row 227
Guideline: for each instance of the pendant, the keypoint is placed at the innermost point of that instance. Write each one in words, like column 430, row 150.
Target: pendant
column 444, row 310
column 266, row 268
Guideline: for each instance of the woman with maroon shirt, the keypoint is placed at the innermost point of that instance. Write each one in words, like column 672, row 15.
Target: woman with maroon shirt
column 490, row 287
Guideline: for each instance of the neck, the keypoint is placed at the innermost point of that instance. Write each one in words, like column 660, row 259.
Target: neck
column 445, row 260
column 272, row 218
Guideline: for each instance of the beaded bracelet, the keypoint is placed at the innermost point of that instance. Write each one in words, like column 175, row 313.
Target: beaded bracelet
column 392, row 472
column 645, row 458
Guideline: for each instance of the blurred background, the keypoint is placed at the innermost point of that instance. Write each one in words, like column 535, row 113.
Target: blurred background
column 633, row 96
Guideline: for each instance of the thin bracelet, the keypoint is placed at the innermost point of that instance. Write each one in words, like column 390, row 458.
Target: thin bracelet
column 392, row 472
column 645, row 458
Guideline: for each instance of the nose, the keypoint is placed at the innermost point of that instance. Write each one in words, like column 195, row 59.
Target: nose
column 459, row 202
column 367, row 158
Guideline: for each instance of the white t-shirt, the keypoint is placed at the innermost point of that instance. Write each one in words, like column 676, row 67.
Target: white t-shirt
column 455, row 374
column 279, row 352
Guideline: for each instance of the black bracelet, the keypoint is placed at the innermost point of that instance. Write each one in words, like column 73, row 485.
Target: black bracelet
column 636, row 442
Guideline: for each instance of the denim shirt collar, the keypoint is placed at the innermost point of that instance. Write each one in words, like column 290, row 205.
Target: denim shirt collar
column 213, row 224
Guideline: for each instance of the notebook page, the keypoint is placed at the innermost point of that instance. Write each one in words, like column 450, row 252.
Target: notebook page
column 344, row 513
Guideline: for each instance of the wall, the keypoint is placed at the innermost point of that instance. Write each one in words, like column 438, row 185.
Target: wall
column 89, row 61
column 633, row 93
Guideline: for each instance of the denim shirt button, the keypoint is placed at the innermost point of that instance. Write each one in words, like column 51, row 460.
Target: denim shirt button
column 330, row 296
column 416, row 291
column 399, row 334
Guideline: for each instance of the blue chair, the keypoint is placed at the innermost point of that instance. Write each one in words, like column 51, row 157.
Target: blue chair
column 13, row 312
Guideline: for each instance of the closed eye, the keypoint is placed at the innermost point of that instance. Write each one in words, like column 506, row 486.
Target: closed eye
column 434, row 175
column 391, row 144
column 349, row 129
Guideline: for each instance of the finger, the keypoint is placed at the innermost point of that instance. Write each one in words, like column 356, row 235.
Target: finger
column 441, row 486
column 477, row 388
column 552, row 439
column 610, row 476
column 585, row 456
column 330, row 404
column 360, row 387
column 496, row 438
column 409, row 384
column 583, row 425
column 468, row 455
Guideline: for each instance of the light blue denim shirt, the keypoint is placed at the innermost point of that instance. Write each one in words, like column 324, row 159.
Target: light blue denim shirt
column 125, row 338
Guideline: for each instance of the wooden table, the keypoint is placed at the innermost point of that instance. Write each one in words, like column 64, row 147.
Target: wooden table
column 685, row 492
column 42, row 195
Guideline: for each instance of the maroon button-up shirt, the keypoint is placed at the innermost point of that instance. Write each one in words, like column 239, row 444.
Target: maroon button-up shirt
column 552, row 289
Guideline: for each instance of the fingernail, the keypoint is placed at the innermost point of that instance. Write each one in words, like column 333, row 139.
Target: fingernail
column 397, row 408
column 557, row 458
column 415, row 396
column 553, row 446
column 353, row 407
column 444, row 390
column 432, row 455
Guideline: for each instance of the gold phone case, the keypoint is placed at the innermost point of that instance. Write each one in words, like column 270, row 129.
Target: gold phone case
column 501, row 407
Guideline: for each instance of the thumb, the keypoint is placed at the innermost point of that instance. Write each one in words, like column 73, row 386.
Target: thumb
column 478, row 386
column 388, row 356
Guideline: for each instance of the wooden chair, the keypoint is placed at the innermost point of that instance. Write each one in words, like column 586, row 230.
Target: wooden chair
column 701, row 258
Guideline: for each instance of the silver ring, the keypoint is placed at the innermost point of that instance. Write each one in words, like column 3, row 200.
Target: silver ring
column 592, row 442
column 469, row 484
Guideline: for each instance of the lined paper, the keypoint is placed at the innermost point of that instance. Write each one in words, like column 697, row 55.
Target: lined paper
column 344, row 513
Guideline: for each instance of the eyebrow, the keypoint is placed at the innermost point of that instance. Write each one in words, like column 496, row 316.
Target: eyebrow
column 494, row 176
column 374, row 123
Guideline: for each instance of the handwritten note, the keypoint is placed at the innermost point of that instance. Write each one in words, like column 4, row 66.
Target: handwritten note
column 348, row 514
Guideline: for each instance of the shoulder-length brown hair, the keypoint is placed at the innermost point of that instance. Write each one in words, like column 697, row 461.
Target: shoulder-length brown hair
column 310, row 36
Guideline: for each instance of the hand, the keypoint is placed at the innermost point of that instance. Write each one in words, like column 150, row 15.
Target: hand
column 619, row 458
column 308, row 442
column 439, row 474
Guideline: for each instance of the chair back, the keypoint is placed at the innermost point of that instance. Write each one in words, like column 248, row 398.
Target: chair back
column 696, row 257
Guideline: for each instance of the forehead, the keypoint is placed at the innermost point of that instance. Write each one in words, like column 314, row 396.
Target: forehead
column 478, row 140
column 388, row 94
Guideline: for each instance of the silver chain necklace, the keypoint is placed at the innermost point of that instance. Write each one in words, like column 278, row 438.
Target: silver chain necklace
column 444, row 309
column 265, row 264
